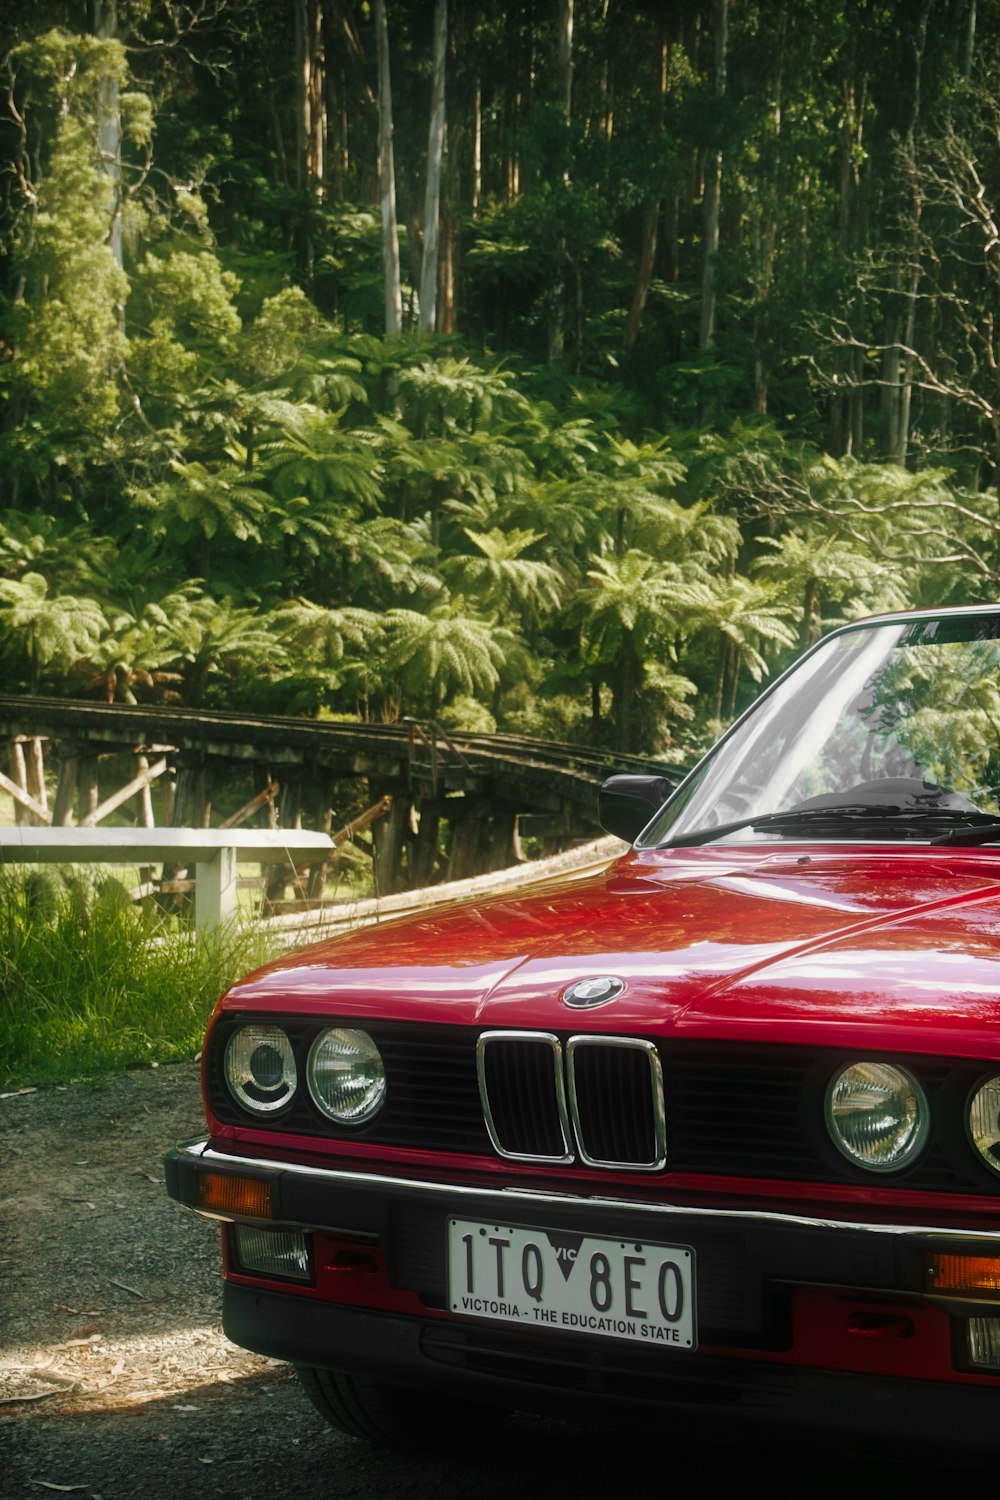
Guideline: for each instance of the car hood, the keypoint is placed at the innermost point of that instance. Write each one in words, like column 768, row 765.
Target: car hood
column 783, row 946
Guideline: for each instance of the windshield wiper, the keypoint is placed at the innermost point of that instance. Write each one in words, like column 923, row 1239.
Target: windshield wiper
column 853, row 814
column 983, row 833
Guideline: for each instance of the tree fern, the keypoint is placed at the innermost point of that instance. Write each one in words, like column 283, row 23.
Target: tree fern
column 45, row 628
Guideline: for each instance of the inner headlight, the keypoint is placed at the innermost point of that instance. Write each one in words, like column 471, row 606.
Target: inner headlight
column 260, row 1068
column 346, row 1076
column 877, row 1115
column 984, row 1122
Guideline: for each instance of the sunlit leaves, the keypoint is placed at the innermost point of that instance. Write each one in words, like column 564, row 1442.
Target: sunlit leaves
column 209, row 637
column 446, row 650
column 322, row 461
column 195, row 292
column 197, row 499
column 501, row 578
column 448, row 394
column 49, row 628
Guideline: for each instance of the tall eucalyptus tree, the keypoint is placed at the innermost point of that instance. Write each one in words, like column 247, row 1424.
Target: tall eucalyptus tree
column 387, row 180
column 435, row 154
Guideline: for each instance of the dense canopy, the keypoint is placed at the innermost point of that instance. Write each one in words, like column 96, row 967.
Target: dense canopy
column 559, row 365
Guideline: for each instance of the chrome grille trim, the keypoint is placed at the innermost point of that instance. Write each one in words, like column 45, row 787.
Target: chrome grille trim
column 613, row 1114
column 582, row 1118
column 558, row 1096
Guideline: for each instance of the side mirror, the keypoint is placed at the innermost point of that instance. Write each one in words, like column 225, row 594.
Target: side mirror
column 627, row 803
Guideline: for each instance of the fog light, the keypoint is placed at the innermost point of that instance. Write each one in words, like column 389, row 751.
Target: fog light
column 965, row 1275
column 984, row 1343
column 272, row 1252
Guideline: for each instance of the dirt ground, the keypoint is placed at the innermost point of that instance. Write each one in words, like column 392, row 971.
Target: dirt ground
column 115, row 1379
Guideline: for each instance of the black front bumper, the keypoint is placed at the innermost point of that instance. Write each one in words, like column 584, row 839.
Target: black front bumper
column 748, row 1262
column 557, row 1377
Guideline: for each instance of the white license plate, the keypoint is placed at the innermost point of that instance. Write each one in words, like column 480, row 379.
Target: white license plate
column 576, row 1283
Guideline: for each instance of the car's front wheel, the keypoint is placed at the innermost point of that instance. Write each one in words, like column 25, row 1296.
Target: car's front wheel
column 393, row 1416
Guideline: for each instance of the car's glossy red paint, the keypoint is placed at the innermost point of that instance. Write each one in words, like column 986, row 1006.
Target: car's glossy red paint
column 813, row 943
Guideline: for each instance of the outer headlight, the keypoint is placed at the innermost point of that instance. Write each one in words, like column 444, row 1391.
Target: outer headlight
column 877, row 1115
column 984, row 1122
column 346, row 1076
column 260, row 1068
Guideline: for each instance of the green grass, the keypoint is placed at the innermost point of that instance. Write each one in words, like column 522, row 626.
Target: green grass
column 91, row 983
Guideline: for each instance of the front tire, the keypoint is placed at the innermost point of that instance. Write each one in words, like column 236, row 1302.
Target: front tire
column 393, row 1416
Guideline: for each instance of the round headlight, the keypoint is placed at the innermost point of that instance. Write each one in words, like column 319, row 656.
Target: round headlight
column 260, row 1068
column 346, row 1076
column 984, row 1122
column 877, row 1115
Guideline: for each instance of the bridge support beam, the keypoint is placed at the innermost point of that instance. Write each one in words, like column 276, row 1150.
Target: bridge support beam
column 389, row 836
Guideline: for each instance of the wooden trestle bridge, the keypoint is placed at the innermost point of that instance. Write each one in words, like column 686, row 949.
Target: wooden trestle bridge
column 428, row 806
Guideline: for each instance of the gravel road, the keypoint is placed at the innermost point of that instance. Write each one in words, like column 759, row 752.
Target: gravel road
column 115, row 1379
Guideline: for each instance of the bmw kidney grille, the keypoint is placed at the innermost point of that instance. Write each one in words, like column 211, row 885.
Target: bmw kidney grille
column 596, row 1098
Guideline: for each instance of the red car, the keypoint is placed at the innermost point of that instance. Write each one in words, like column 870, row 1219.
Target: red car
column 717, row 1129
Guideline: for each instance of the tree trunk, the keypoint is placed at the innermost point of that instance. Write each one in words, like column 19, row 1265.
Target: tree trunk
column 625, row 694
column 109, row 128
column 713, row 192
column 301, row 27
column 315, row 98
column 477, row 149
column 566, row 57
column 310, row 116
column 892, row 380
column 435, row 153
column 512, row 106
column 647, row 257
column 809, row 631
column 447, row 320
column 767, row 229
column 970, row 40
column 387, row 181
column 909, row 331
column 557, row 337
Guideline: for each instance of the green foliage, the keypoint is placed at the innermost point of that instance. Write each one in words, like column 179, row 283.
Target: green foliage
column 446, row 652
column 194, row 300
column 90, row 982
column 501, row 578
column 219, row 484
column 65, row 325
column 50, row 629
column 209, row 639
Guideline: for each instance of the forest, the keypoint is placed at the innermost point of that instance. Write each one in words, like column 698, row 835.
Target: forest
column 559, row 366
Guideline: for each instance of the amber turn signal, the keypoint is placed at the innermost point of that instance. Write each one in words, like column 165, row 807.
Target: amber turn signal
column 965, row 1275
column 247, row 1196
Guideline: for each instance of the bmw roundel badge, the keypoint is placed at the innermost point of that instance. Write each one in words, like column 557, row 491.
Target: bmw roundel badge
column 586, row 993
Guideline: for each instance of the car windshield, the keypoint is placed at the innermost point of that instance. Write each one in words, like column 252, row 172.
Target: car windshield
column 887, row 731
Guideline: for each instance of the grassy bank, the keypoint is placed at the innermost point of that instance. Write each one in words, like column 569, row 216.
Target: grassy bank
column 90, row 982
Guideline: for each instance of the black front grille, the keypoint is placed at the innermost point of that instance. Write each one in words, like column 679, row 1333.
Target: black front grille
column 739, row 1108
column 730, row 1110
column 615, row 1103
column 545, row 1100
column 521, row 1090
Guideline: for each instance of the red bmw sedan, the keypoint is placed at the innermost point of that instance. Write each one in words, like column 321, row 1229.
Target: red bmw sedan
column 716, row 1129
